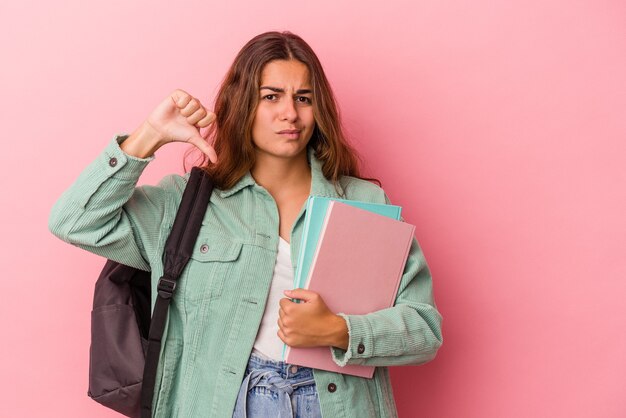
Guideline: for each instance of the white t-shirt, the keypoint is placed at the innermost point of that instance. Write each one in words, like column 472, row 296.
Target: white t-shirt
column 267, row 342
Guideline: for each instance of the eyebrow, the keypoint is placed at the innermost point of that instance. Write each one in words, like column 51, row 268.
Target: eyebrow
column 278, row 90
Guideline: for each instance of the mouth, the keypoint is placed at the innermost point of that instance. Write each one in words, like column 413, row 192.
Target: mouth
column 290, row 133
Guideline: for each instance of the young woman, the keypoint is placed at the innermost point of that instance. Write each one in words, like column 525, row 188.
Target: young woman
column 276, row 139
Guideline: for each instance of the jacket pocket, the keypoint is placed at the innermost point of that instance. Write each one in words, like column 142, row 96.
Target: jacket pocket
column 212, row 262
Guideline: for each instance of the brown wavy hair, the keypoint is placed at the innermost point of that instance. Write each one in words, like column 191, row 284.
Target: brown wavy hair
column 235, row 109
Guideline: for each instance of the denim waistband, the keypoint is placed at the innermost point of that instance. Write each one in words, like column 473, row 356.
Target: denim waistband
column 277, row 376
column 285, row 370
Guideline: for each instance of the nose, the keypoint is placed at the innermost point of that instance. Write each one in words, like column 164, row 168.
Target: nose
column 289, row 111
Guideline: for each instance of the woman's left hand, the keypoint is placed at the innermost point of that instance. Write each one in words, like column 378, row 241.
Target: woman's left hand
column 310, row 323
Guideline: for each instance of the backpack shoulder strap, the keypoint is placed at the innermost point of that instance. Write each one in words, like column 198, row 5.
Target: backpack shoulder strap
column 178, row 250
column 179, row 245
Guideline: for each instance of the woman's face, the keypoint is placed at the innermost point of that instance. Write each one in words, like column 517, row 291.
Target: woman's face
column 283, row 122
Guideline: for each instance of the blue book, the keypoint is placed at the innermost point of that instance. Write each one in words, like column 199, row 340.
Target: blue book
column 316, row 208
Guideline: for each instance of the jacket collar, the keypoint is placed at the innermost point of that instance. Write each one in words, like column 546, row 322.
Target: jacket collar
column 320, row 186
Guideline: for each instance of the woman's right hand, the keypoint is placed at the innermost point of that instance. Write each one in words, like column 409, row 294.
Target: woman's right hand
column 178, row 118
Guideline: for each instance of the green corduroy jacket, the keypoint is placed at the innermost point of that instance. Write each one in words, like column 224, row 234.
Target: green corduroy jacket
column 221, row 295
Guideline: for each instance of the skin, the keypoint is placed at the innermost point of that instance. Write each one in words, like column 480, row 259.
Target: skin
column 281, row 167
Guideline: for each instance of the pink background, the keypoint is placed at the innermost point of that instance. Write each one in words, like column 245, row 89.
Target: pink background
column 500, row 128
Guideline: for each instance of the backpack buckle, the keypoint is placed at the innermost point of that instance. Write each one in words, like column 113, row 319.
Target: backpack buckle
column 166, row 287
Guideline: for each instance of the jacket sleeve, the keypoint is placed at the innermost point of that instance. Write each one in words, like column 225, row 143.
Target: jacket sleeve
column 105, row 213
column 409, row 333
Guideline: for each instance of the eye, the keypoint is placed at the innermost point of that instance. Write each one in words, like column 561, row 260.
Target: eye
column 304, row 99
column 269, row 97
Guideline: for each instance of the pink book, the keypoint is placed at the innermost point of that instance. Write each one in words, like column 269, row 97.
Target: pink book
column 356, row 269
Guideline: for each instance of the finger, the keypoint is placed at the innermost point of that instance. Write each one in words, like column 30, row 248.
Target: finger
column 181, row 98
column 192, row 106
column 197, row 116
column 203, row 146
column 284, row 303
column 207, row 120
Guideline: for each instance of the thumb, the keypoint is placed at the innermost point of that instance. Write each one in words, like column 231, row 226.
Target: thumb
column 204, row 146
column 299, row 293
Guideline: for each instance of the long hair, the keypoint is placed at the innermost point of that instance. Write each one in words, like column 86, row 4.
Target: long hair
column 237, row 100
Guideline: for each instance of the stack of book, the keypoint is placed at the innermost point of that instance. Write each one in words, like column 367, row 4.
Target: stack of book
column 353, row 255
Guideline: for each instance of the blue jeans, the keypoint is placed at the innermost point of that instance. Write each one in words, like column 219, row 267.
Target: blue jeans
column 277, row 389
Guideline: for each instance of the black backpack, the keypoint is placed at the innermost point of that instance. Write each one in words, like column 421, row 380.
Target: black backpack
column 125, row 342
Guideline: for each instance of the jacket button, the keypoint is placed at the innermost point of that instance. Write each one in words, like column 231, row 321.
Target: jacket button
column 332, row 387
column 113, row 162
column 204, row 248
column 360, row 349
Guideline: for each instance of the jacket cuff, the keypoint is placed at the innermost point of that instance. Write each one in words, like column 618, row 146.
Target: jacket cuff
column 111, row 163
column 122, row 165
column 359, row 341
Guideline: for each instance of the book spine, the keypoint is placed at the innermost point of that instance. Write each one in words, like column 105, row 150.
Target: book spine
column 319, row 242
